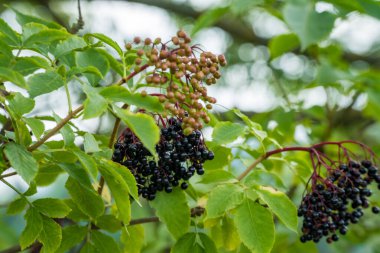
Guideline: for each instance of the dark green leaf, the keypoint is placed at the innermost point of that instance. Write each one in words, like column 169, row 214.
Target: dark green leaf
column 13, row 38
column 255, row 226
column 45, row 37
column 43, row 83
column 92, row 57
column 195, row 243
column 20, row 105
column 50, row 236
column 32, row 229
column 47, row 174
column 71, row 236
column 108, row 222
column 104, row 243
column 173, row 210
column 21, row 160
column 88, row 201
column 28, row 65
column 133, row 239
column 69, row 45
column 54, row 208
column 23, row 19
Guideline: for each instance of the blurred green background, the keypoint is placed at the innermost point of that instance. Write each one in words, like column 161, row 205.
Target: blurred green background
column 307, row 73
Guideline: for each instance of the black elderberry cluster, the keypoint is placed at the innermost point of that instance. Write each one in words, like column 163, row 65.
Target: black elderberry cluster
column 337, row 201
column 179, row 158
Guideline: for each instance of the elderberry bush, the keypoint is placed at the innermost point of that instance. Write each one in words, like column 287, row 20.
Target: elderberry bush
column 337, row 201
column 179, row 158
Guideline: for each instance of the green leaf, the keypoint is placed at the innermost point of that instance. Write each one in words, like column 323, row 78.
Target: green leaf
column 195, row 243
column 50, row 236
column 126, row 175
column 7, row 56
column 43, row 83
column 108, row 222
column 69, row 45
column 106, row 40
column 133, row 239
column 78, row 173
column 90, row 143
column 76, row 214
column 81, row 70
column 104, row 243
column 88, row 163
column 209, row 18
column 13, row 38
column 121, row 94
column 46, row 36
column 17, row 206
column 239, row 7
column 71, row 236
column 47, row 174
column 53, row 208
column 370, row 7
column 255, row 226
column 310, row 26
column 36, row 125
column 173, row 210
column 280, row 205
column 94, row 105
column 66, row 132
column 20, row 105
column 32, row 229
column 223, row 198
column 21, row 160
column 263, row 177
column 217, row 177
column 282, row 44
column 28, row 65
column 253, row 127
column 88, row 248
column 92, row 57
column 14, row 77
column 223, row 158
column 143, row 126
column 120, row 192
column 23, row 19
column 227, row 132
column 226, row 235
column 88, row 201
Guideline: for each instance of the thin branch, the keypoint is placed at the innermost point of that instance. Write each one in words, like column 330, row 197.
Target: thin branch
column 58, row 127
column 80, row 22
column 8, row 175
column 143, row 220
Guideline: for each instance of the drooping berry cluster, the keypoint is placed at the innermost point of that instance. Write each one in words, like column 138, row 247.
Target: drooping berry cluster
column 337, row 200
column 179, row 71
column 179, row 157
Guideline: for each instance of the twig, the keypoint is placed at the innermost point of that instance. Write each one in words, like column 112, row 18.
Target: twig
column 80, row 22
column 8, row 175
column 143, row 220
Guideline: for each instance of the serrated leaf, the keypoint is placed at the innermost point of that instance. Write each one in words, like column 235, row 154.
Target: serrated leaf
column 28, row 65
column 45, row 37
column 104, row 243
column 88, row 248
column 68, row 45
column 50, row 236
column 90, row 143
column 310, row 26
column 222, row 199
column 43, row 83
column 121, row 94
column 227, row 132
column 263, row 177
column 78, row 173
column 282, row 44
column 12, row 36
column 120, row 192
column 81, row 70
column 217, row 177
column 76, row 214
column 108, row 222
column 53, row 208
column 21, row 160
column 106, row 40
column 12, row 76
column 17, row 206
column 195, row 243
column 88, row 163
column 47, row 174
column 94, row 105
column 71, row 236
column 143, row 126
column 23, row 19
column 88, row 201
column 32, row 229
column 20, row 105
column 36, row 125
column 255, row 226
column 173, row 210
column 126, row 175
column 209, row 18
column 222, row 158
column 226, row 235
column 280, row 205
column 133, row 239
column 92, row 57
